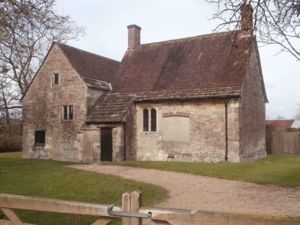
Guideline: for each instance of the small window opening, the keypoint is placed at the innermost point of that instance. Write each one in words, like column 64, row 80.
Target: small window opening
column 68, row 112
column 146, row 119
column 153, row 119
column 40, row 137
column 56, row 78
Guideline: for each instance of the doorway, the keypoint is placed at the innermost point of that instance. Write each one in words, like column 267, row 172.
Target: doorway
column 106, row 144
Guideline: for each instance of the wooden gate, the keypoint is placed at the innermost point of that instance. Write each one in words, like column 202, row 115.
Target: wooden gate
column 131, row 212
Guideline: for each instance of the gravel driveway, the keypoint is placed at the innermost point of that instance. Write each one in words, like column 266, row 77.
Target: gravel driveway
column 188, row 191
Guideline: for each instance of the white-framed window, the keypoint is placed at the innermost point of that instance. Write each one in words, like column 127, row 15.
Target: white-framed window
column 67, row 112
column 55, row 79
column 149, row 120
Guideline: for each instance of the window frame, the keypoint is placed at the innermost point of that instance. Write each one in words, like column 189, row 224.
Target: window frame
column 145, row 120
column 67, row 112
column 153, row 120
column 38, row 136
column 149, row 115
column 55, row 78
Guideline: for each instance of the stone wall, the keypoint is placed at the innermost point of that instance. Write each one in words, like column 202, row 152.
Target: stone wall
column 42, row 110
column 189, row 131
column 233, row 131
column 252, row 113
column 92, row 96
column 131, row 135
column 91, row 142
column 118, row 143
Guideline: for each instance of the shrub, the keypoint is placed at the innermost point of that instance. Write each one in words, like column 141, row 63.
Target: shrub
column 11, row 137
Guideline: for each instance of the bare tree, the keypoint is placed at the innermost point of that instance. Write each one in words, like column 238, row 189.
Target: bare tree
column 27, row 29
column 280, row 117
column 5, row 99
column 274, row 21
column 9, row 100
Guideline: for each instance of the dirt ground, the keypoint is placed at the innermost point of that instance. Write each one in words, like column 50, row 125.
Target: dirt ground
column 188, row 191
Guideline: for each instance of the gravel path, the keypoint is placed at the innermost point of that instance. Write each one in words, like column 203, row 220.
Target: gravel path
column 188, row 191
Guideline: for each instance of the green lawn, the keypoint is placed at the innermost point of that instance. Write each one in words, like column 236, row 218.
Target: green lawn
column 46, row 178
column 279, row 170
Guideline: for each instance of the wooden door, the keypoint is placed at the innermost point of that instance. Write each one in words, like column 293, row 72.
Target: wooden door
column 106, row 144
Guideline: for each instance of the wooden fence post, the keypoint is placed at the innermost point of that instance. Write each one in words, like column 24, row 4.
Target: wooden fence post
column 135, row 204
column 131, row 202
column 126, row 207
column 75, row 219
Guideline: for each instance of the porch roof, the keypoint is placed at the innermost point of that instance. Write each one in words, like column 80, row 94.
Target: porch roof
column 113, row 107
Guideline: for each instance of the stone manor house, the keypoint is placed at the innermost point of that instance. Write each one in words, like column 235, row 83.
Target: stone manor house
column 193, row 99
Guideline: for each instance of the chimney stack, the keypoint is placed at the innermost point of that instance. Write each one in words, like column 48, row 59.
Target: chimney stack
column 134, row 36
column 246, row 17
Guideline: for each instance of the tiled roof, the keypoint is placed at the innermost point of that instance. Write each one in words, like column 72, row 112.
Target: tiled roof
column 206, row 61
column 98, row 84
column 113, row 107
column 280, row 123
column 201, row 67
column 91, row 66
column 188, row 94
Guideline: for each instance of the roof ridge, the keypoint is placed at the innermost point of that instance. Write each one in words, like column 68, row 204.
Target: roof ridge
column 189, row 38
column 83, row 51
column 177, row 90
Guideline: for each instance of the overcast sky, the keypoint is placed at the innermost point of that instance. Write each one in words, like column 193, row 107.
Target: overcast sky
column 106, row 21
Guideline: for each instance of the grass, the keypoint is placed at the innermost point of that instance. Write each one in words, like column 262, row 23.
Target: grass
column 281, row 170
column 46, row 178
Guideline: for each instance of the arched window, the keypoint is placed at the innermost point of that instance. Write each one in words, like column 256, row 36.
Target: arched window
column 146, row 119
column 153, row 119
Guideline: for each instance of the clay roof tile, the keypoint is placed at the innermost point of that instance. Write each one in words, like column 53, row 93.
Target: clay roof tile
column 113, row 107
column 91, row 67
column 215, row 60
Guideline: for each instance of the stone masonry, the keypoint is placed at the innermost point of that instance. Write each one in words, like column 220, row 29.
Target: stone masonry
column 252, row 113
column 189, row 131
column 42, row 110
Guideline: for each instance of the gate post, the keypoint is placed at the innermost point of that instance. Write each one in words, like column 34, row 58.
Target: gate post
column 131, row 202
column 135, row 204
column 126, row 207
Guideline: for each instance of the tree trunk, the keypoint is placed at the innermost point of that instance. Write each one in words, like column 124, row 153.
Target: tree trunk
column 7, row 118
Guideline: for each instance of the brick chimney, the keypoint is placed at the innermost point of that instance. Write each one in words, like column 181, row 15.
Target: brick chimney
column 246, row 17
column 134, row 36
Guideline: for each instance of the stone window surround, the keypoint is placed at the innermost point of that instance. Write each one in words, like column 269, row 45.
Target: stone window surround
column 149, row 120
column 145, row 120
column 53, row 79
